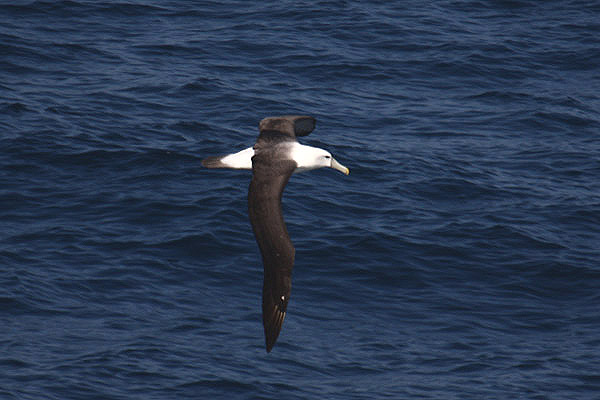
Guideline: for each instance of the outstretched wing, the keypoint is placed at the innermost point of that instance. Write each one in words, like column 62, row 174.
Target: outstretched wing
column 276, row 248
column 271, row 170
column 288, row 125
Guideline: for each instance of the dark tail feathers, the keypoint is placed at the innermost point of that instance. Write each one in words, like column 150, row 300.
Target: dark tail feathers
column 213, row 162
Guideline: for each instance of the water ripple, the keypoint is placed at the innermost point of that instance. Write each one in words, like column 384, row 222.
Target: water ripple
column 463, row 243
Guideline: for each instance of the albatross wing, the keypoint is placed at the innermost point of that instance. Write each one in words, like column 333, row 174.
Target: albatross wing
column 276, row 248
column 288, row 125
column 271, row 170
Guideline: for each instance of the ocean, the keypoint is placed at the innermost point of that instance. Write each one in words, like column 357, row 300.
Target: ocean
column 458, row 260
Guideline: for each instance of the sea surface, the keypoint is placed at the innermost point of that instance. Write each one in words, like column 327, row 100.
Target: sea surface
column 460, row 259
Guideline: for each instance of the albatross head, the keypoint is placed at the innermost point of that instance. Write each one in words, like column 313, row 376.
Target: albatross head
column 308, row 158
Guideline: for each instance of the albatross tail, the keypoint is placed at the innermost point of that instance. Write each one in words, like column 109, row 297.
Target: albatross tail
column 213, row 162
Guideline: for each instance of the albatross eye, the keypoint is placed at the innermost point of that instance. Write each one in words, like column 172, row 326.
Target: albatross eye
column 327, row 157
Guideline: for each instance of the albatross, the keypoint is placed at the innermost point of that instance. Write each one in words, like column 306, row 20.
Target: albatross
column 273, row 159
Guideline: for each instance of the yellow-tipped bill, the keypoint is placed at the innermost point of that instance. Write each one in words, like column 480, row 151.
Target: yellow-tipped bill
column 339, row 167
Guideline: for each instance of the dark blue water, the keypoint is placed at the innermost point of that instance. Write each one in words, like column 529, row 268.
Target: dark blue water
column 458, row 260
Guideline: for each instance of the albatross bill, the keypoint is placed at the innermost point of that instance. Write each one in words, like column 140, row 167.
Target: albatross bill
column 273, row 159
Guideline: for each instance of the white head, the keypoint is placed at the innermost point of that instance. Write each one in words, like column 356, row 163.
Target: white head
column 308, row 158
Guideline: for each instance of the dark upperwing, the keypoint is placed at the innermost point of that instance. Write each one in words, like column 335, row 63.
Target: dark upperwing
column 289, row 125
column 276, row 248
column 270, row 174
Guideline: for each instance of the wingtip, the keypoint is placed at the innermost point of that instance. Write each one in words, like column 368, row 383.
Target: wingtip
column 269, row 347
column 270, row 339
column 297, row 125
column 272, row 327
column 304, row 124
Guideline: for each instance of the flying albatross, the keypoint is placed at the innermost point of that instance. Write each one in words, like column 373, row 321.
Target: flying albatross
column 273, row 159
